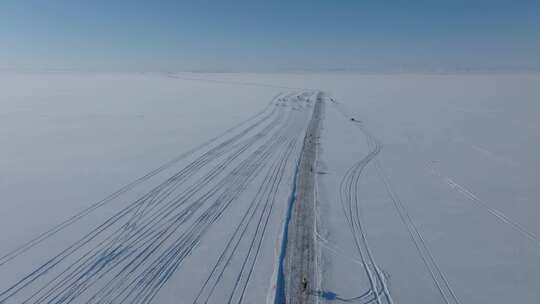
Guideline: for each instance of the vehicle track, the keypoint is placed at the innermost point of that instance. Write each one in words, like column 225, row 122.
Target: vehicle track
column 350, row 201
column 162, row 188
column 267, row 192
column 439, row 278
column 130, row 256
column 499, row 215
column 76, row 217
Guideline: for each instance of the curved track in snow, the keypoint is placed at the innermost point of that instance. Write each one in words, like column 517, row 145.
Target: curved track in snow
column 350, row 201
column 349, row 198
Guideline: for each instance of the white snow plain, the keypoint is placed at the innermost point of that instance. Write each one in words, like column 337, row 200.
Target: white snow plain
column 448, row 206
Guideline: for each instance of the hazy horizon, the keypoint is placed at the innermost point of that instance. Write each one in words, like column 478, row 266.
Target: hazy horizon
column 256, row 36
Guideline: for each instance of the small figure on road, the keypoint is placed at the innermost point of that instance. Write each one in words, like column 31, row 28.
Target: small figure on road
column 304, row 284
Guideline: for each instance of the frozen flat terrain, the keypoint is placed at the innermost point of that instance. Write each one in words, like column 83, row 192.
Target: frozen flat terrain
column 449, row 205
column 174, row 188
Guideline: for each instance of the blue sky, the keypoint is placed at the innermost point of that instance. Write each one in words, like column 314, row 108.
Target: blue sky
column 269, row 35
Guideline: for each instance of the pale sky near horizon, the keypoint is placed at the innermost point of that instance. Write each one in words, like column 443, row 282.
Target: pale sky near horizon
column 269, row 35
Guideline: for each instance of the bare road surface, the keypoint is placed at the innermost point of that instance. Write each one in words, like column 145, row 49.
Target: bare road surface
column 300, row 256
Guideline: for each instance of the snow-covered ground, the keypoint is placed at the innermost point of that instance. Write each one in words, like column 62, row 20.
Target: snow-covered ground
column 443, row 188
column 450, row 204
column 451, row 216
column 204, row 225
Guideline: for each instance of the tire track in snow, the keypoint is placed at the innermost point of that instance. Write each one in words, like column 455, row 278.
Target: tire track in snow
column 503, row 218
column 175, row 180
column 47, row 234
column 439, row 278
column 350, row 200
column 266, row 196
column 133, row 254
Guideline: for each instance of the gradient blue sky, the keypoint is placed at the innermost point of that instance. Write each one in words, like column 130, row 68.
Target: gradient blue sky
column 269, row 35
